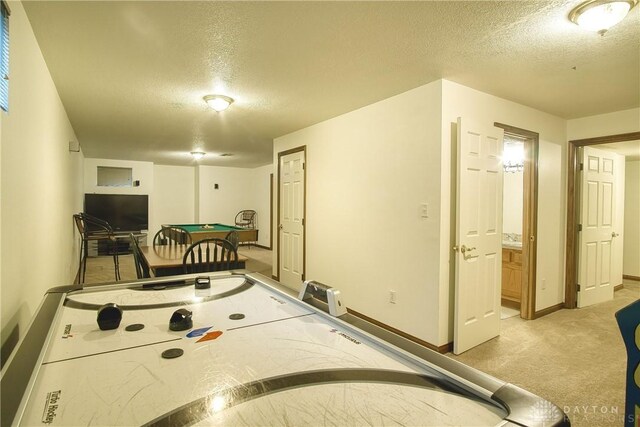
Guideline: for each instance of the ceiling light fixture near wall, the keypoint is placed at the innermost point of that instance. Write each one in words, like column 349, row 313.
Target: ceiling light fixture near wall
column 197, row 155
column 600, row 15
column 218, row 102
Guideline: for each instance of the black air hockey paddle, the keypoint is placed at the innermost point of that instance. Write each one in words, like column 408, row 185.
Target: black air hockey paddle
column 109, row 316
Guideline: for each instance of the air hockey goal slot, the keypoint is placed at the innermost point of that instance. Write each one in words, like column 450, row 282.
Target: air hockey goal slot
column 313, row 291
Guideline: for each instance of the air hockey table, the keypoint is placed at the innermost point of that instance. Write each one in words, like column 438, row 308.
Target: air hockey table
column 232, row 349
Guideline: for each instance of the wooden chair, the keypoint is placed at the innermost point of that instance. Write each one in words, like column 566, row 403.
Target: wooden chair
column 94, row 229
column 172, row 236
column 142, row 268
column 233, row 238
column 210, row 255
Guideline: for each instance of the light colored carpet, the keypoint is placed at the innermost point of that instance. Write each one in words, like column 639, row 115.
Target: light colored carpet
column 574, row 358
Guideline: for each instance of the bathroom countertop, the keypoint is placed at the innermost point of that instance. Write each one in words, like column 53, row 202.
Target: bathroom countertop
column 512, row 245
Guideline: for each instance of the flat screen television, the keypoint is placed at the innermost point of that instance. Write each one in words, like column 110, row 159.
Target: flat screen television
column 124, row 212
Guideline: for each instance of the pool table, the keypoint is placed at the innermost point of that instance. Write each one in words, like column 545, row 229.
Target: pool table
column 208, row 231
column 237, row 350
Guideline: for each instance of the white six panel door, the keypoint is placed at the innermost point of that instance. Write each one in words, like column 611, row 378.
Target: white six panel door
column 597, row 217
column 478, row 234
column 291, row 226
column 618, row 240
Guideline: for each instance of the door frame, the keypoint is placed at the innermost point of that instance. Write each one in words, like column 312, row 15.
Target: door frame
column 571, row 252
column 530, row 218
column 302, row 148
column 271, row 211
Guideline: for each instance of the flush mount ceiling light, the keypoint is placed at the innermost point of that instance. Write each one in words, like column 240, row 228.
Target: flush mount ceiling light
column 600, row 15
column 218, row 102
column 197, row 154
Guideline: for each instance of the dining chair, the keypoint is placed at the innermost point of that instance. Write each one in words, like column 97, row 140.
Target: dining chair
column 94, row 229
column 210, row 255
column 172, row 236
column 142, row 267
column 234, row 238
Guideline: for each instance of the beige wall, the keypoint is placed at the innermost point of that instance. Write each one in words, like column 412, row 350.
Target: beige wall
column 461, row 101
column 186, row 194
column 140, row 171
column 367, row 172
column 618, row 122
column 41, row 180
column 173, row 196
column 631, row 256
column 238, row 189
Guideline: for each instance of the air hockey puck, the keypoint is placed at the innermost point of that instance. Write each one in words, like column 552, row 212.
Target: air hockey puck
column 236, row 316
column 134, row 327
column 109, row 316
column 172, row 353
column 181, row 320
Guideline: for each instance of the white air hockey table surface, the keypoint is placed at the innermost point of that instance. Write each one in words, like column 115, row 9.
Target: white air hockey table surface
column 254, row 356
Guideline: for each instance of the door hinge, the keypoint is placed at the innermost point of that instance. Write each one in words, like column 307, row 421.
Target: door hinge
column 578, row 287
column 303, row 166
column 303, row 222
column 579, row 227
column 581, row 166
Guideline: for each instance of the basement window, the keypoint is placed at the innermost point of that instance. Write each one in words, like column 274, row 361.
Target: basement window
column 4, row 57
column 114, row 177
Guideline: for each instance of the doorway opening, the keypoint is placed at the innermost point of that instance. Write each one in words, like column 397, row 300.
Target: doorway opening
column 519, row 227
column 573, row 210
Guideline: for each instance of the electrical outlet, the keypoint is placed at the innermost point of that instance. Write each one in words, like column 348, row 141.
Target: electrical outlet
column 544, row 284
column 392, row 297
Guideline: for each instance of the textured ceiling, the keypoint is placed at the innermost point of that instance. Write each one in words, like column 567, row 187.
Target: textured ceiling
column 132, row 75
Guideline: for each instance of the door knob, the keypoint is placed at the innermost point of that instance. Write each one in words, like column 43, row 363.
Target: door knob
column 614, row 234
column 280, row 226
column 465, row 249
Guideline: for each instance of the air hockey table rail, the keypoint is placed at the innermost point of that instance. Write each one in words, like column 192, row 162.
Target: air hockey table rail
column 250, row 355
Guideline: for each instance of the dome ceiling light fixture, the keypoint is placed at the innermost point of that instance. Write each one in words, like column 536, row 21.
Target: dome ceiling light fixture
column 197, row 155
column 218, row 102
column 600, row 15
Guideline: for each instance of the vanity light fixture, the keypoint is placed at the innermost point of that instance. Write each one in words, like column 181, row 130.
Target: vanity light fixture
column 513, row 157
column 600, row 15
column 218, row 102
column 197, row 155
